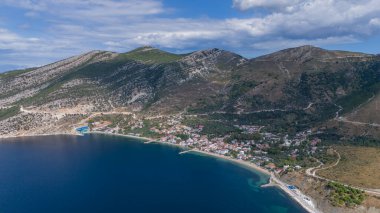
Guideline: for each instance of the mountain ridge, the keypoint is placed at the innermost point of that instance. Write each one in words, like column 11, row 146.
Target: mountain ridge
column 261, row 57
column 147, row 80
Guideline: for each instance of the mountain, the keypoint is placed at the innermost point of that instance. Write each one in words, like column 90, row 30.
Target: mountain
column 307, row 53
column 287, row 91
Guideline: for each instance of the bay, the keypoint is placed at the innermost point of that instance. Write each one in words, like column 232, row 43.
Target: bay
column 101, row 173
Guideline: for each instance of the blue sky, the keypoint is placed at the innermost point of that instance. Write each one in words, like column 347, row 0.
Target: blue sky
column 37, row 32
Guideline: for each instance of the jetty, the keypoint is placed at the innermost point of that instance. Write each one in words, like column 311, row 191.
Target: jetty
column 183, row 152
column 269, row 184
column 151, row 141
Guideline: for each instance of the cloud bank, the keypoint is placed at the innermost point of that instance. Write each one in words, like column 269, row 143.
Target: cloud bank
column 71, row 26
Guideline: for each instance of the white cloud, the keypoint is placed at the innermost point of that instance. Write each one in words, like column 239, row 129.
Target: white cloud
column 74, row 26
column 27, row 4
column 12, row 41
column 179, row 39
column 167, row 33
column 281, row 43
column 315, row 19
column 21, row 51
column 375, row 22
column 89, row 10
column 249, row 4
column 133, row 22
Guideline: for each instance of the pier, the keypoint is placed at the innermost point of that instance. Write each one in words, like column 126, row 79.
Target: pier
column 152, row 141
column 270, row 184
column 183, row 152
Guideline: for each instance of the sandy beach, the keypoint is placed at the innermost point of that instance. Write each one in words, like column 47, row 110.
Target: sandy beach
column 241, row 162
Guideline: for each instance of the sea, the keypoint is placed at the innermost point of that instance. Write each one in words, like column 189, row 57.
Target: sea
column 102, row 173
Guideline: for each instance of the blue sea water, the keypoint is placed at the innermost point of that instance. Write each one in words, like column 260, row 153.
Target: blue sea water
column 99, row 173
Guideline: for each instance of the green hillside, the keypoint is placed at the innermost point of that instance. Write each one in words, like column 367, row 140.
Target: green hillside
column 151, row 55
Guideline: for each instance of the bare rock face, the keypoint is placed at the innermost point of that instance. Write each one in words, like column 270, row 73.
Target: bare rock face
column 202, row 63
column 30, row 83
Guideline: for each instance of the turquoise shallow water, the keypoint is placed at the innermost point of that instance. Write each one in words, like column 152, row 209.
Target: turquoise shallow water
column 98, row 173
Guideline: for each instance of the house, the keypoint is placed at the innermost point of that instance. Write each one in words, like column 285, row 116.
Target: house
column 270, row 166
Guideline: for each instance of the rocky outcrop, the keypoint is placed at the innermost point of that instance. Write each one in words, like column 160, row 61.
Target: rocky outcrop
column 30, row 83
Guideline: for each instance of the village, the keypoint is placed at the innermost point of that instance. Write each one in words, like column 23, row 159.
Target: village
column 256, row 150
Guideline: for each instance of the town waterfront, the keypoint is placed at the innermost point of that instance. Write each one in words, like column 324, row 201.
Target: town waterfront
column 102, row 173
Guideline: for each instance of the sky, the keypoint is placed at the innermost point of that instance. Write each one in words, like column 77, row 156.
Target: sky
column 38, row 32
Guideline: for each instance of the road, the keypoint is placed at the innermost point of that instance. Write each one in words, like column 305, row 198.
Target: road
column 73, row 112
column 312, row 173
column 94, row 114
column 345, row 120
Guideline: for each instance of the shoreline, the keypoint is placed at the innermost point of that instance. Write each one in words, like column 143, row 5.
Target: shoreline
column 39, row 135
column 152, row 140
column 121, row 135
column 237, row 161
column 272, row 182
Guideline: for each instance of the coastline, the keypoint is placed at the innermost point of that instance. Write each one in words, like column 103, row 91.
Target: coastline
column 145, row 139
column 39, row 135
column 240, row 162
column 273, row 181
column 121, row 135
